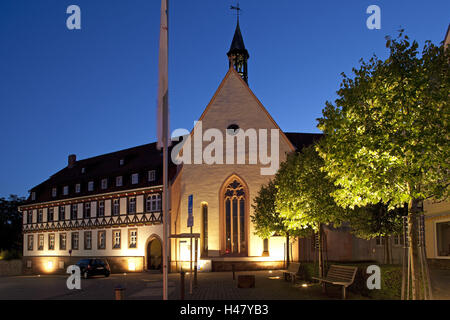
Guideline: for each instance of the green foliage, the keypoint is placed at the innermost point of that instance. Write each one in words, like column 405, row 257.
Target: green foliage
column 266, row 220
column 10, row 223
column 10, row 254
column 387, row 135
column 303, row 196
column 391, row 279
column 376, row 220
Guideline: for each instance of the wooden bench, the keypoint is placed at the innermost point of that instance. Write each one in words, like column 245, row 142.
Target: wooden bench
column 291, row 271
column 340, row 276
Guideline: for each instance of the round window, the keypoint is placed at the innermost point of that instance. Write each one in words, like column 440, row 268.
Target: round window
column 233, row 129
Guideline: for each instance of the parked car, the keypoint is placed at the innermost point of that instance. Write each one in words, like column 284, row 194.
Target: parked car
column 94, row 267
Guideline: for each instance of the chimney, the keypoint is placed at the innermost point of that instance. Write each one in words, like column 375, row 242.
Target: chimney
column 71, row 161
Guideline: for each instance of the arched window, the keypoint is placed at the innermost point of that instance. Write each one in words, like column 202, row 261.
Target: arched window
column 235, row 224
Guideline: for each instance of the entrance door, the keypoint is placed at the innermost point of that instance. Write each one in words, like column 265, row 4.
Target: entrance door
column 154, row 255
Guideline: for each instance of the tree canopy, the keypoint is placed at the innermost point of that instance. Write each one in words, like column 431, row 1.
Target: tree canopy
column 304, row 192
column 387, row 135
column 10, row 223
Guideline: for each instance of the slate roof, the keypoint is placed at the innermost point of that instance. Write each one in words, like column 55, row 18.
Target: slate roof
column 139, row 159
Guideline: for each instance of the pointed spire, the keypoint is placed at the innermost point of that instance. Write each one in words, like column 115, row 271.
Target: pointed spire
column 238, row 41
column 238, row 54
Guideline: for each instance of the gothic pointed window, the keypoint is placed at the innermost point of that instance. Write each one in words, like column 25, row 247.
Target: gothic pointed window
column 235, row 224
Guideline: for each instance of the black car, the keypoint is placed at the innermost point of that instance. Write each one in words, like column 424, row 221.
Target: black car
column 94, row 267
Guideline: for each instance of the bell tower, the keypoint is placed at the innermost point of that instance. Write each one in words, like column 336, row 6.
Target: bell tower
column 238, row 55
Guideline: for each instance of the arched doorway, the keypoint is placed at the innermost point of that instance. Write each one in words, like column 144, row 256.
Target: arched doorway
column 154, row 254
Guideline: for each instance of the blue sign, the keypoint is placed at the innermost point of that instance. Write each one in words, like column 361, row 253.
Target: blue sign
column 190, row 222
column 190, row 204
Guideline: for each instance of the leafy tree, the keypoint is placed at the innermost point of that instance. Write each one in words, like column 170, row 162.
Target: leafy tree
column 266, row 220
column 376, row 221
column 387, row 136
column 304, row 195
column 10, row 223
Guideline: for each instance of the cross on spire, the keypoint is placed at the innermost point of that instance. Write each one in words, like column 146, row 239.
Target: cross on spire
column 238, row 10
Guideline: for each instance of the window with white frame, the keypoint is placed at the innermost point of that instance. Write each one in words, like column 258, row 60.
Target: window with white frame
column 132, row 205
column 443, row 238
column 78, row 188
column 50, row 214
column 132, row 238
column 398, row 240
column 116, row 239
column 30, row 242
column 30, row 216
column 102, row 240
column 153, row 203
column 116, row 207
column 51, row 241
column 91, row 186
column 121, row 162
column 54, row 192
column 87, row 240
column 33, row 196
column 75, row 241
column 66, row 190
column 104, row 184
column 40, row 216
column 379, row 241
column 41, row 242
column 74, row 213
column 62, row 213
column 101, row 208
column 152, row 175
column 119, row 181
column 135, row 178
column 62, row 241
column 87, row 210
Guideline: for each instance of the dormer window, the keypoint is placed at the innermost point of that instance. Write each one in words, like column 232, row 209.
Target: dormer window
column 91, row 186
column 77, row 188
column 121, row 162
column 152, row 175
column 119, row 181
column 104, row 184
column 54, row 192
column 135, row 178
column 66, row 190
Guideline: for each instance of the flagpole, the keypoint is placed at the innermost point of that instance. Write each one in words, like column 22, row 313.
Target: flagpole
column 166, row 210
column 165, row 173
column 163, row 133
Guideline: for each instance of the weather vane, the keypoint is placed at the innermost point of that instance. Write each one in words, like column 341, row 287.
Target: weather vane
column 237, row 8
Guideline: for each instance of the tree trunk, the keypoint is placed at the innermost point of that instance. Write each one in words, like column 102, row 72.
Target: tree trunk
column 287, row 250
column 321, row 271
column 413, row 211
column 387, row 250
column 320, row 251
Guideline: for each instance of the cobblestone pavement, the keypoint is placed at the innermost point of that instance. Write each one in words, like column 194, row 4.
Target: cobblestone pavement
column 147, row 286
column 440, row 280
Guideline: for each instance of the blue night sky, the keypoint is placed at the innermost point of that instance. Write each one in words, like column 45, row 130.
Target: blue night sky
column 93, row 91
